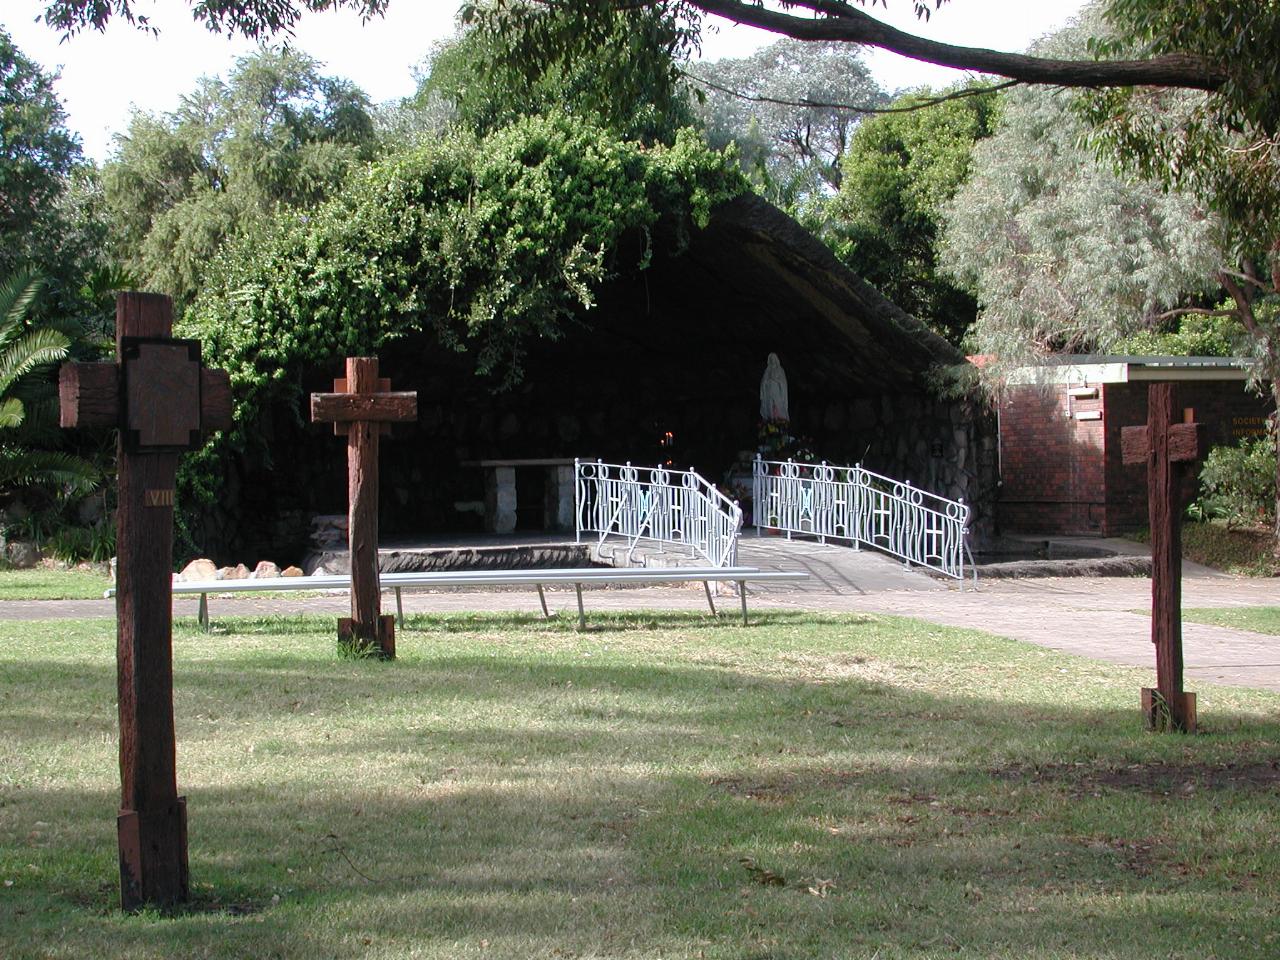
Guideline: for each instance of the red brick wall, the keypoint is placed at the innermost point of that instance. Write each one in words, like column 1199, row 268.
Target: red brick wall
column 1051, row 464
column 1063, row 475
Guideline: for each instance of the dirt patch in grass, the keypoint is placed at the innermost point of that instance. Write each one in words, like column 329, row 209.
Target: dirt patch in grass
column 1153, row 778
column 785, row 787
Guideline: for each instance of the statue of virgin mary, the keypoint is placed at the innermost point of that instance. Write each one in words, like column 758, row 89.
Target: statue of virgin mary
column 773, row 391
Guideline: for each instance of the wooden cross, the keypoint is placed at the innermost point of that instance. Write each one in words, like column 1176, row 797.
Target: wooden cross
column 361, row 407
column 163, row 400
column 1166, row 446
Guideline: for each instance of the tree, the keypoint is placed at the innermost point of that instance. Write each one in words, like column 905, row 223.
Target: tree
column 1228, row 160
column 900, row 171
column 1062, row 252
column 47, row 220
column 776, row 104
column 627, row 85
column 275, row 134
column 583, row 23
column 26, row 353
column 37, row 153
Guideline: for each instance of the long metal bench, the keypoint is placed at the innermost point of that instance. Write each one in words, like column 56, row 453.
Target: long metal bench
column 540, row 579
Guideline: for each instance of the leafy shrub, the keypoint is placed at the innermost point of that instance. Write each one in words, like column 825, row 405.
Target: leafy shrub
column 1239, row 483
column 78, row 544
column 485, row 243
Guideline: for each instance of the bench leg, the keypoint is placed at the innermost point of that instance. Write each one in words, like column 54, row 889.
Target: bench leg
column 742, row 592
column 203, row 613
column 582, row 614
column 706, row 585
column 542, row 599
column 399, row 610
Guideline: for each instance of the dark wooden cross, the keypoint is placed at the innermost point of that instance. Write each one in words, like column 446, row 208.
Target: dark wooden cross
column 163, row 400
column 361, row 407
column 1166, row 445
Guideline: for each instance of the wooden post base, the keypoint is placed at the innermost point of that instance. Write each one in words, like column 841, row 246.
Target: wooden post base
column 153, row 857
column 1163, row 717
column 359, row 638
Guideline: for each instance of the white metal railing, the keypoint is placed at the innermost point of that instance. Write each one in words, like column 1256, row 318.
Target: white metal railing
column 654, row 503
column 852, row 503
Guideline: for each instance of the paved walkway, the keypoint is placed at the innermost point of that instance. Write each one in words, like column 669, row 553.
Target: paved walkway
column 1098, row 617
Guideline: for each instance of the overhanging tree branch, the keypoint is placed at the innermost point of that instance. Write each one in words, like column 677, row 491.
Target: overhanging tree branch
column 841, row 22
column 832, row 20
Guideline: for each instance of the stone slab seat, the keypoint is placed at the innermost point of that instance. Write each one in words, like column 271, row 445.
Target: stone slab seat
column 495, row 578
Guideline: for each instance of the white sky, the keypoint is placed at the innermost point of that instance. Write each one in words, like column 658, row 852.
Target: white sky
column 104, row 76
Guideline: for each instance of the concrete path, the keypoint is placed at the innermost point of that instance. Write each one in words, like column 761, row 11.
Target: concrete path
column 1100, row 617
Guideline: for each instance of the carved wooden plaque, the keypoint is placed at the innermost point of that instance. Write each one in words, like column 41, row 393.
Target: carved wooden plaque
column 161, row 409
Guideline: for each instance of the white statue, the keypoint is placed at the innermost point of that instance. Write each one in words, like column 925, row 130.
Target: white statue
column 773, row 391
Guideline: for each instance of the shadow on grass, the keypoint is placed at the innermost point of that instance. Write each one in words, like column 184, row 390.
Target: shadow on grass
column 519, row 802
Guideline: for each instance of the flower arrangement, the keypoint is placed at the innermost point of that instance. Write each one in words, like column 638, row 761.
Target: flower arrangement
column 777, row 442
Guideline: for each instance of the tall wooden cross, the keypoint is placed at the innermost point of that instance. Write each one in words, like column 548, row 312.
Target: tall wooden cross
column 163, row 400
column 362, row 406
column 1166, row 445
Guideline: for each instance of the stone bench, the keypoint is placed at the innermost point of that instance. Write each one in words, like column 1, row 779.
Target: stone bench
column 540, row 579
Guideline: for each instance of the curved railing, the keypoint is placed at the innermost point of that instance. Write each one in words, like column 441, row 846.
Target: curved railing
column 656, row 504
column 855, row 504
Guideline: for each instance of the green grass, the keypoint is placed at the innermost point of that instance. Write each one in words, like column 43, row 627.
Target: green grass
column 52, row 583
column 660, row 786
column 1257, row 619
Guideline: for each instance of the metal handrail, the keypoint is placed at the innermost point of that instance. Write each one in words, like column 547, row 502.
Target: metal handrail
column 658, row 504
column 863, row 507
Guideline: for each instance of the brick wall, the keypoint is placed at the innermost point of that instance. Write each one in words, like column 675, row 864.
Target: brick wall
column 1061, row 474
column 1051, row 473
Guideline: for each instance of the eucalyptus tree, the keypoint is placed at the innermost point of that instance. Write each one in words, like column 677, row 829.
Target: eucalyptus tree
column 276, row 134
column 1062, row 251
column 1229, row 160
column 786, row 107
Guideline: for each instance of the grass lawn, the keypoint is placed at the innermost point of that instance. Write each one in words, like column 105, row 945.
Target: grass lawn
column 52, row 583
column 660, row 786
column 1257, row 619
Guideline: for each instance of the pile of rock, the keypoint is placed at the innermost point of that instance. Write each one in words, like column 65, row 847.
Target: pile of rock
column 203, row 569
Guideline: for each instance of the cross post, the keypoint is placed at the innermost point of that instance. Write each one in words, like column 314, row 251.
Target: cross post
column 362, row 407
column 1166, row 445
column 162, row 400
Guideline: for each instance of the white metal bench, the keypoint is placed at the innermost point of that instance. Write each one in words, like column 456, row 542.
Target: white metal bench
column 495, row 578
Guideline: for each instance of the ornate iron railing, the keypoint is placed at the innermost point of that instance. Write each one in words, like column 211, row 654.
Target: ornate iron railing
column 657, row 504
column 854, row 504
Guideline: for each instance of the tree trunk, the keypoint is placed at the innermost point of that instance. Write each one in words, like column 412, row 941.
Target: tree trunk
column 1275, row 438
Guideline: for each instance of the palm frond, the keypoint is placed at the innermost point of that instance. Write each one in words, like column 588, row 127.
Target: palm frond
column 12, row 413
column 17, row 292
column 33, row 349
column 45, row 468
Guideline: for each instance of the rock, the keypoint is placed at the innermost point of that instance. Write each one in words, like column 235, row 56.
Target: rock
column 238, row 572
column 265, row 570
column 291, row 572
column 22, row 554
column 224, row 573
column 201, row 569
